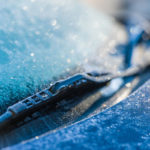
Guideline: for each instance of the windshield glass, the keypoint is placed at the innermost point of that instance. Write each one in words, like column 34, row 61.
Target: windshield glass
column 42, row 40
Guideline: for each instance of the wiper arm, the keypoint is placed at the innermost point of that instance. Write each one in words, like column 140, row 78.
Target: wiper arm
column 71, row 86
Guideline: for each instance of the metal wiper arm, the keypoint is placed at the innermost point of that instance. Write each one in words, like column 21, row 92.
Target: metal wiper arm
column 62, row 89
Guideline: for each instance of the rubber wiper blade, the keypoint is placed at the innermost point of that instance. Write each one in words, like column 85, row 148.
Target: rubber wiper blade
column 56, row 92
column 78, row 83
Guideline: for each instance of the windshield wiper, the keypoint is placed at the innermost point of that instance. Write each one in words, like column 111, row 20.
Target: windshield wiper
column 78, row 83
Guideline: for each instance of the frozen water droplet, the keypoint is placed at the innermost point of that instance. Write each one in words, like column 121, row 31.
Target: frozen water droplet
column 128, row 85
column 32, row 1
column 72, row 51
column 86, row 60
column 54, row 22
column 68, row 69
column 25, row 8
column 68, row 61
column 37, row 137
column 37, row 32
column 32, row 54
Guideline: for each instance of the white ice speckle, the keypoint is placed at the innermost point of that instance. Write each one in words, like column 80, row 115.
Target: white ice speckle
column 68, row 61
column 25, row 8
column 72, row 51
column 128, row 85
column 54, row 22
column 74, row 37
column 135, row 30
column 32, row 1
column 68, row 69
column 86, row 60
column 37, row 32
column 32, row 54
column 37, row 137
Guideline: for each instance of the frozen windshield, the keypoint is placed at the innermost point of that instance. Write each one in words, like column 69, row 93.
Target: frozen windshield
column 41, row 40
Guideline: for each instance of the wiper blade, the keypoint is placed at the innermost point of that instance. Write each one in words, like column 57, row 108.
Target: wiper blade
column 78, row 83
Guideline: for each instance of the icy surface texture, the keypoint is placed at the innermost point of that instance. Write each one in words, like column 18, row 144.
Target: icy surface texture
column 124, row 126
column 42, row 39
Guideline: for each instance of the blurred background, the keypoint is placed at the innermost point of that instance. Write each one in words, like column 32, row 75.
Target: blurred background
column 123, row 8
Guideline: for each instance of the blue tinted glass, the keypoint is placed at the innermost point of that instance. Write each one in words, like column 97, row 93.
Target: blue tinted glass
column 42, row 39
